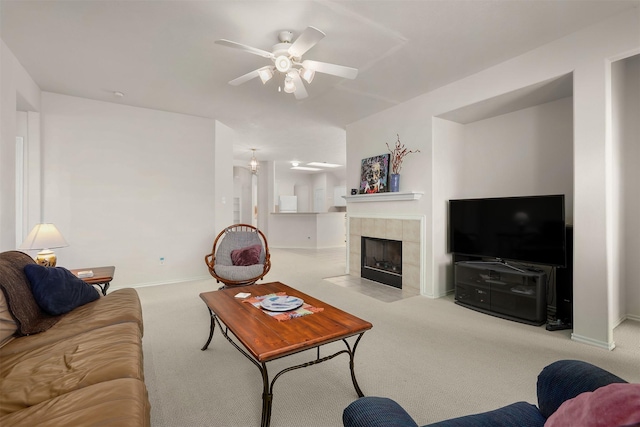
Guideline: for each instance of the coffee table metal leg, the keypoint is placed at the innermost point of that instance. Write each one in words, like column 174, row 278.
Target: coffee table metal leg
column 267, row 394
column 211, row 329
column 352, row 354
column 267, row 397
column 267, row 391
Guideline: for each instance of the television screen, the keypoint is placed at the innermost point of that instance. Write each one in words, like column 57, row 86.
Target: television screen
column 526, row 229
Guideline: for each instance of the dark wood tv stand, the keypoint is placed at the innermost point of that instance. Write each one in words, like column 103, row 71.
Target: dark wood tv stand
column 502, row 291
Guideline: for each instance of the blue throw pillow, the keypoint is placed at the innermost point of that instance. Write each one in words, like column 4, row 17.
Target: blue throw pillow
column 56, row 290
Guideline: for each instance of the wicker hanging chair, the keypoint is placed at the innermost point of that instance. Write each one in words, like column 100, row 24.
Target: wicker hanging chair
column 240, row 256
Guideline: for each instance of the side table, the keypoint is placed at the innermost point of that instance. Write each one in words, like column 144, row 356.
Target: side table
column 102, row 277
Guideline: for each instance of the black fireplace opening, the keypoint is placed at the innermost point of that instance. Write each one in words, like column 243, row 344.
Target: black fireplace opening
column 381, row 261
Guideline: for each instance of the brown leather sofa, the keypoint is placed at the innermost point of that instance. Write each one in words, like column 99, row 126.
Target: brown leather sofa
column 81, row 368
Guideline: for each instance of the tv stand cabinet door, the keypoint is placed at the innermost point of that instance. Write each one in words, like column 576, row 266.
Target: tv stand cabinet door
column 504, row 292
column 471, row 288
column 523, row 295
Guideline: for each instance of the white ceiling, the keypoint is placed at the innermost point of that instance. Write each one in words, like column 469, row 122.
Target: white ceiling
column 161, row 55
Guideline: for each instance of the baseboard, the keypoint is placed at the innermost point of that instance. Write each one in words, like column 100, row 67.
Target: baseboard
column 591, row 341
column 165, row 282
column 626, row 317
column 441, row 294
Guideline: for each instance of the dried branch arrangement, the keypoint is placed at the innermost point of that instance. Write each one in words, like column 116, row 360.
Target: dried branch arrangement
column 397, row 155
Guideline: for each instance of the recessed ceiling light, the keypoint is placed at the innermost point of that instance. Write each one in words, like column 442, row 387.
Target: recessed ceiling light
column 303, row 168
column 118, row 94
column 295, row 164
column 324, row 164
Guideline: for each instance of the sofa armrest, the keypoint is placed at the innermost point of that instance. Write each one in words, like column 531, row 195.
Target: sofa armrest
column 376, row 412
column 566, row 379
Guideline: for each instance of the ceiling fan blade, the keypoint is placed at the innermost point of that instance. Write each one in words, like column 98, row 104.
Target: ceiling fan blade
column 305, row 41
column 245, row 78
column 245, row 48
column 301, row 91
column 336, row 70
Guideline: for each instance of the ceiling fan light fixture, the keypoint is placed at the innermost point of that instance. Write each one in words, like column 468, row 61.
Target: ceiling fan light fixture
column 307, row 74
column 265, row 74
column 287, row 60
column 283, row 63
column 289, row 86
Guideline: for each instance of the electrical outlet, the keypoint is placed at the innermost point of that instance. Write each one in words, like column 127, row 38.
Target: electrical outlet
column 161, row 260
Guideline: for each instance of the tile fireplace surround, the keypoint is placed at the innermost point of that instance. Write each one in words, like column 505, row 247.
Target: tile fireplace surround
column 408, row 230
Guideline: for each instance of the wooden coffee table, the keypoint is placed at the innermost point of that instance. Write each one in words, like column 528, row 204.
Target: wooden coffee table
column 263, row 338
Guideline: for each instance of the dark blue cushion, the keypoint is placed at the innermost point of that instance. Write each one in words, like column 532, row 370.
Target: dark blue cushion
column 373, row 411
column 384, row 412
column 56, row 290
column 520, row 414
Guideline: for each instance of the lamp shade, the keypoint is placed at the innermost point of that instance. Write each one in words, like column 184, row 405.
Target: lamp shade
column 44, row 236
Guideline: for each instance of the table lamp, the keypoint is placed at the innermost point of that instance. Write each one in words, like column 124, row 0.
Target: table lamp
column 44, row 237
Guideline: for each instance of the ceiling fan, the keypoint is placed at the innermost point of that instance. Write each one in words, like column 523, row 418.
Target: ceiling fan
column 287, row 60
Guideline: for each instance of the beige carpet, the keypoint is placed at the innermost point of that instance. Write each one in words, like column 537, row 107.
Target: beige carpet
column 437, row 359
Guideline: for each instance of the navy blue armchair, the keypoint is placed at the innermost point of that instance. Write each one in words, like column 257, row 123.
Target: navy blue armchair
column 558, row 382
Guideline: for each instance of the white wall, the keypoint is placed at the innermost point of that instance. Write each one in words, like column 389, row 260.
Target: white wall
column 307, row 230
column 286, row 182
column 527, row 152
column 128, row 185
column 447, row 184
column 242, row 189
column 331, row 230
column 331, row 181
column 625, row 191
column 304, row 186
column 631, row 179
column 17, row 91
column 292, row 183
column 615, row 192
column 124, row 185
column 222, row 167
column 266, row 195
column 32, row 188
column 302, row 190
column 584, row 53
column 319, row 192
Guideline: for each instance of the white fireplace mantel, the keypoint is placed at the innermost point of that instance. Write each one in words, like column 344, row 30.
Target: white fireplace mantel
column 383, row 197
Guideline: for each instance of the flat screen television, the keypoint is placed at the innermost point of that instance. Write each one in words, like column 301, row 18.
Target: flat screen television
column 525, row 229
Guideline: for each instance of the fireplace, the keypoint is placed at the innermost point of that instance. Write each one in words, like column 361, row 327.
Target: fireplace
column 407, row 229
column 381, row 261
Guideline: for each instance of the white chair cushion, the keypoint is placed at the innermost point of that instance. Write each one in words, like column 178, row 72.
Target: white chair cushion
column 237, row 272
column 236, row 240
